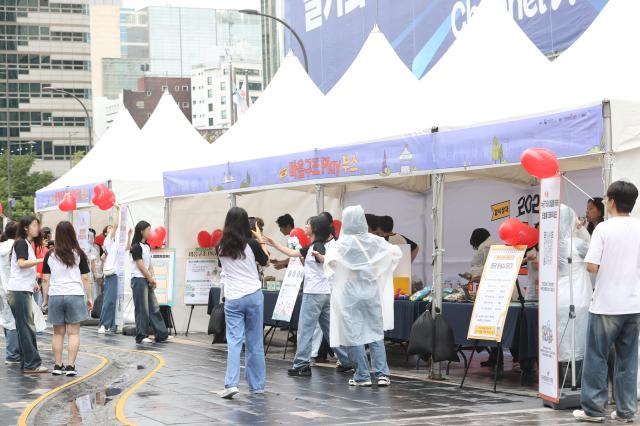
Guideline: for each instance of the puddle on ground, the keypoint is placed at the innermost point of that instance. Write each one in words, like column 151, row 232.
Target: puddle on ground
column 90, row 401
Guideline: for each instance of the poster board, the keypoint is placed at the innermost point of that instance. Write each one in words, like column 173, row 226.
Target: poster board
column 122, row 237
column 289, row 291
column 201, row 273
column 163, row 262
column 550, row 198
column 82, row 223
column 494, row 293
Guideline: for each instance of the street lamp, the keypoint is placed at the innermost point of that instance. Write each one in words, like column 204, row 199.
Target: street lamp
column 264, row 15
column 51, row 89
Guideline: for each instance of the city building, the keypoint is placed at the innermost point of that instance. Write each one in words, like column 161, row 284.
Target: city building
column 213, row 92
column 143, row 101
column 272, row 38
column 105, row 38
column 104, row 112
column 44, row 45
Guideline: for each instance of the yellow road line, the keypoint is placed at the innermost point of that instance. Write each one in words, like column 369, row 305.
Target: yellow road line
column 22, row 421
column 120, row 416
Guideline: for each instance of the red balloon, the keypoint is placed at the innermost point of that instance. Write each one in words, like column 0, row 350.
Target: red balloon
column 303, row 239
column 106, row 200
column 509, row 231
column 98, row 192
column 1, row 209
column 100, row 240
column 157, row 237
column 529, row 236
column 337, row 225
column 68, row 203
column 540, row 162
column 216, row 236
column 204, row 239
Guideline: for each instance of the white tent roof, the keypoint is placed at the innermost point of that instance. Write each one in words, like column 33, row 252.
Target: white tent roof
column 107, row 160
column 169, row 140
column 370, row 100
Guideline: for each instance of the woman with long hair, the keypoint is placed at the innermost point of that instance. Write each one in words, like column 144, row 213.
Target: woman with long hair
column 316, row 298
column 21, row 286
column 595, row 213
column 240, row 249
column 361, row 266
column 143, row 284
column 67, row 294
column 110, row 288
column 12, row 349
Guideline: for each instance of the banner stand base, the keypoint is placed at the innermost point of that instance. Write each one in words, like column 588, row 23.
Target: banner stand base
column 569, row 399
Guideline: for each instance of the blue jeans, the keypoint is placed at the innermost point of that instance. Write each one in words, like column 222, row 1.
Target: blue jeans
column 245, row 323
column 108, row 314
column 315, row 309
column 21, row 307
column 147, row 311
column 378, row 361
column 603, row 331
column 12, row 351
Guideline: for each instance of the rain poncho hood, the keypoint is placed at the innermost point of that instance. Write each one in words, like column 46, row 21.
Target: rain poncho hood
column 573, row 242
column 362, row 266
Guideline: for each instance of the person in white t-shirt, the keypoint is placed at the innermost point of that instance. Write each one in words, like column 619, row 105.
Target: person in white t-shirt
column 614, row 315
column 12, row 348
column 286, row 225
column 316, row 300
column 67, row 294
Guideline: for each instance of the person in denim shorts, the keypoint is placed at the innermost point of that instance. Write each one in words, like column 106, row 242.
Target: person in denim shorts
column 67, row 294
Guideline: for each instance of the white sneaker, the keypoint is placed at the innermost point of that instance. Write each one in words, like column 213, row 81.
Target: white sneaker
column 229, row 393
column 365, row 383
column 102, row 330
column 614, row 416
column 580, row 415
column 146, row 340
column 383, row 382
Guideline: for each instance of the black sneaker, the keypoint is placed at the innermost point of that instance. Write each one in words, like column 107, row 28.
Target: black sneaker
column 58, row 370
column 70, row 371
column 342, row 369
column 300, row 372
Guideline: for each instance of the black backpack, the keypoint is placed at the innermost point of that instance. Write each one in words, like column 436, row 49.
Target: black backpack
column 432, row 338
column 217, row 325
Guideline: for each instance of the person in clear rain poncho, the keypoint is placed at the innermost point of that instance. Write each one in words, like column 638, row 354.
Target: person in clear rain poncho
column 361, row 265
column 574, row 243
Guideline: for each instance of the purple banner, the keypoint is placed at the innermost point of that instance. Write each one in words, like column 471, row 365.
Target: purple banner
column 83, row 194
column 568, row 134
column 420, row 31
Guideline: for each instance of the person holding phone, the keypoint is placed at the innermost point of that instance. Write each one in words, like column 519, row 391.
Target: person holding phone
column 143, row 284
column 67, row 295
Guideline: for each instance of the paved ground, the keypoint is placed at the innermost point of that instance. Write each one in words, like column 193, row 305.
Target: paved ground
column 184, row 391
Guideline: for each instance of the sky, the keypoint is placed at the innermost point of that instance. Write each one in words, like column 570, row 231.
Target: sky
column 214, row 4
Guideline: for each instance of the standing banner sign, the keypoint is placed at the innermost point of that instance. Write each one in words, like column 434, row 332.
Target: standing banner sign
column 494, row 293
column 289, row 291
column 550, row 195
column 122, row 256
column 202, row 272
column 163, row 263
column 82, row 222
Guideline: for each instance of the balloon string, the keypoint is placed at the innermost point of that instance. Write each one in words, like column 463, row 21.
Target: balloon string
column 577, row 187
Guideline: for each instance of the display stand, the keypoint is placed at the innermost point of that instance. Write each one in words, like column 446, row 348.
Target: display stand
column 499, row 347
column 272, row 331
column 190, row 315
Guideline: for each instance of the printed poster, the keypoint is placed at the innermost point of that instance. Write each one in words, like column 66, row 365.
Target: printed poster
column 494, row 293
column 289, row 291
column 201, row 274
column 82, row 223
column 163, row 265
column 550, row 195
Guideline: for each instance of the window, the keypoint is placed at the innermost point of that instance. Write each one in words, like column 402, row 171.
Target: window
column 223, row 100
column 210, row 121
column 225, row 71
column 185, row 105
column 148, row 92
column 194, row 102
column 193, row 88
column 253, row 99
column 140, row 104
column 177, row 88
column 195, row 116
column 209, row 81
column 223, row 85
column 185, row 88
column 164, row 88
column 209, row 93
column 255, row 86
column 210, row 107
column 223, row 114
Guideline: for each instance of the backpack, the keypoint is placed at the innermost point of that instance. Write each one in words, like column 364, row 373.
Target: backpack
column 217, row 325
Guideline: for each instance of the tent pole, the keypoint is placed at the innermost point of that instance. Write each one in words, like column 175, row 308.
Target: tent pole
column 438, row 239
column 233, row 202
column 608, row 146
column 319, row 198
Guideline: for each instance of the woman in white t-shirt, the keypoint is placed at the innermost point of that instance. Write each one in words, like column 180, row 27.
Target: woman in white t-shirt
column 239, row 251
column 110, row 288
column 12, row 349
column 67, row 294
column 316, row 300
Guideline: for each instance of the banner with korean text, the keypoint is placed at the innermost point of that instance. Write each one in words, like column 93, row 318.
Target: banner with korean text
column 550, row 199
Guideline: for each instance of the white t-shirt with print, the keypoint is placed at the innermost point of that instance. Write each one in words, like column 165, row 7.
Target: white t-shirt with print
column 615, row 247
column 315, row 281
column 111, row 248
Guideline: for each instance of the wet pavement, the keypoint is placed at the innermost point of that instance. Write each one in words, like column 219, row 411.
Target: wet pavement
column 184, row 391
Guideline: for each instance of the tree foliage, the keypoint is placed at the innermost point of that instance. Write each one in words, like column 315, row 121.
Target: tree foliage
column 24, row 183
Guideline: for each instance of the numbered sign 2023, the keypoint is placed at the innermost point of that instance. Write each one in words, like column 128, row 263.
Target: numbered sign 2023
column 528, row 204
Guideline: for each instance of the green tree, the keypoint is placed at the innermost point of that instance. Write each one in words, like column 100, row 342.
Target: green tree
column 77, row 157
column 24, row 183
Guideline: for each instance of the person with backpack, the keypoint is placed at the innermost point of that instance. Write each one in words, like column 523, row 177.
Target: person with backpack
column 67, row 294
